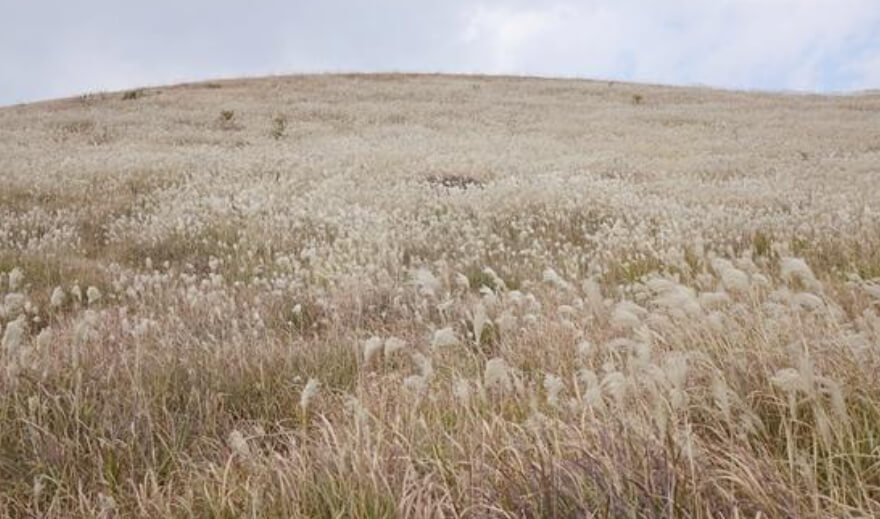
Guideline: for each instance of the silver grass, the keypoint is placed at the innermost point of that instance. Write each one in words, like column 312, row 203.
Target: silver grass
column 444, row 337
column 371, row 347
column 16, row 277
column 393, row 345
column 93, row 295
column 497, row 376
column 57, row 298
column 309, row 392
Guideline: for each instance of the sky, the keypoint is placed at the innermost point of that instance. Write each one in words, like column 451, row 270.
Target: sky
column 55, row 48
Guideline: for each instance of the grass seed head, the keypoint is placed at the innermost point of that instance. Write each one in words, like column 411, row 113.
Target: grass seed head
column 93, row 295
column 553, row 385
column 309, row 392
column 239, row 444
column 13, row 336
column 372, row 346
column 57, row 298
column 444, row 337
column 393, row 345
column 497, row 375
column 16, row 277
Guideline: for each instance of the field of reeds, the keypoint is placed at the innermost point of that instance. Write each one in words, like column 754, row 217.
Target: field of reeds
column 440, row 296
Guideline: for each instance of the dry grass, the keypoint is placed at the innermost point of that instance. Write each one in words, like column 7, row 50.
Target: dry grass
column 412, row 296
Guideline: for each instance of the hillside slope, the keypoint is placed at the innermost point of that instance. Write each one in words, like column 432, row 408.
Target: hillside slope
column 407, row 295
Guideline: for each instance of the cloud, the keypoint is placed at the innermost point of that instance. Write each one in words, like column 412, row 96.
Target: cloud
column 505, row 32
column 56, row 47
column 777, row 44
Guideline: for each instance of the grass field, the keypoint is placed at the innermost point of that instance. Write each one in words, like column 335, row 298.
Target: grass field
column 440, row 296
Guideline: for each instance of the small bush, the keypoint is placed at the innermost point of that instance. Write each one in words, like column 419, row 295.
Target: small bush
column 226, row 119
column 762, row 244
column 279, row 126
column 454, row 181
column 78, row 126
column 131, row 95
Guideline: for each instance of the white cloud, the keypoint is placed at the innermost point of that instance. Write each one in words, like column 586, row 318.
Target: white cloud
column 734, row 43
column 504, row 31
column 865, row 70
column 55, row 47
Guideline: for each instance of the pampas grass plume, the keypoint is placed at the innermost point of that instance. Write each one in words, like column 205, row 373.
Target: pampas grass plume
column 461, row 389
column 553, row 385
column 426, row 367
column 497, row 375
column 796, row 268
column 309, row 392
column 239, row 444
column 15, row 279
column 627, row 315
column 57, row 298
column 415, row 383
column 393, row 345
column 93, row 295
column 372, row 346
column 13, row 336
column 444, row 337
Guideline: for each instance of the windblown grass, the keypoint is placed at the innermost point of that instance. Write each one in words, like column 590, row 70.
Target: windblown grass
column 413, row 296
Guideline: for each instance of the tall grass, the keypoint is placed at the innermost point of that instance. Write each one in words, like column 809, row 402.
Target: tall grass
column 622, row 313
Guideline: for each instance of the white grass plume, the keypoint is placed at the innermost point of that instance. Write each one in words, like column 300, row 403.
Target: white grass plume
column 807, row 301
column 677, row 299
column 627, row 315
column 309, row 392
column 496, row 279
column 13, row 336
column 479, row 319
column 790, row 380
column 426, row 281
column 553, row 385
column 93, row 295
column 797, row 269
column 16, row 277
column 551, row 277
column 393, row 345
column 58, row 297
column 239, row 444
column 592, row 392
column 415, row 383
column 873, row 290
column 372, row 346
column 462, row 281
column 44, row 339
column 424, row 364
column 461, row 390
column 14, row 303
column 444, row 337
column 713, row 300
column 497, row 375
column 616, row 385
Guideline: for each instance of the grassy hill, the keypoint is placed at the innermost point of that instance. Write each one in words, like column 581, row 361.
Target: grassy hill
column 422, row 295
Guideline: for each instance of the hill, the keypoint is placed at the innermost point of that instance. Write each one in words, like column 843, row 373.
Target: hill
column 423, row 295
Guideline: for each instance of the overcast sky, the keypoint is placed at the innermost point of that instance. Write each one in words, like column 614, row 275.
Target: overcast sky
column 52, row 48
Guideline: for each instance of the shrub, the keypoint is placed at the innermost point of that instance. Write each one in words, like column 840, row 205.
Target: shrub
column 131, row 95
column 279, row 126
